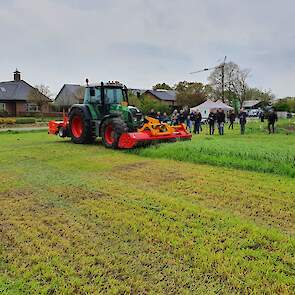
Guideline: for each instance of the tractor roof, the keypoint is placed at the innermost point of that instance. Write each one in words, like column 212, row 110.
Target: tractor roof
column 107, row 84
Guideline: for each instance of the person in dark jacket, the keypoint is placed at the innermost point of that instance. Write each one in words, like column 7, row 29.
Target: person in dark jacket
column 165, row 118
column 243, row 120
column 261, row 116
column 152, row 114
column 272, row 118
column 211, row 121
column 182, row 117
column 159, row 116
column 197, row 122
column 232, row 118
column 220, row 118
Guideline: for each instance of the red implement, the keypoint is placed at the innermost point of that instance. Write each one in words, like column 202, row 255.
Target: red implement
column 133, row 139
column 55, row 126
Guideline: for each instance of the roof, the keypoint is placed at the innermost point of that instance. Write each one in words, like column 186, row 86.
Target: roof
column 15, row 90
column 250, row 103
column 167, row 95
column 209, row 104
column 70, row 94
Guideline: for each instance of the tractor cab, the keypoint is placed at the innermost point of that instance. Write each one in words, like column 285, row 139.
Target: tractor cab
column 104, row 98
column 106, row 94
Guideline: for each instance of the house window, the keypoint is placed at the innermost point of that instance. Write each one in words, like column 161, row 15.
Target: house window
column 32, row 108
column 2, row 107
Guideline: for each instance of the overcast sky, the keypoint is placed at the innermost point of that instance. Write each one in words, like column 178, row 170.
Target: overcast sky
column 141, row 42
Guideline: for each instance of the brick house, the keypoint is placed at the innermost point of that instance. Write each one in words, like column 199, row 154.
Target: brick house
column 15, row 98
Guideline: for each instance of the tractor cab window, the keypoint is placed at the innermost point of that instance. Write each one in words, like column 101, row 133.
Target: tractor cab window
column 114, row 95
column 95, row 95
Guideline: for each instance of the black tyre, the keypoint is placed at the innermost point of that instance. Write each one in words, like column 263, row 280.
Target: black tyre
column 80, row 127
column 111, row 130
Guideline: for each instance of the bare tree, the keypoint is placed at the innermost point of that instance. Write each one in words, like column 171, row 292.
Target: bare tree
column 39, row 95
column 235, row 81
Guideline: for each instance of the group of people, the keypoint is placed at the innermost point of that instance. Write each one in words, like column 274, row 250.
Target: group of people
column 192, row 120
column 216, row 118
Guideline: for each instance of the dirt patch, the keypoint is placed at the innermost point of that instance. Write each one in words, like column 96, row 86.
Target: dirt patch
column 290, row 128
column 17, row 194
column 131, row 166
column 77, row 194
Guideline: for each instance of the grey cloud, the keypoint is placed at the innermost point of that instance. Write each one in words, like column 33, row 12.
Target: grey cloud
column 59, row 41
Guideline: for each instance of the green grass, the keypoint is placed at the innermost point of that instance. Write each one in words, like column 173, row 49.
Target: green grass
column 78, row 219
column 255, row 150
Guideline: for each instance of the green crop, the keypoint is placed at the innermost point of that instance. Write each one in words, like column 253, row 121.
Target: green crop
column 81, row 219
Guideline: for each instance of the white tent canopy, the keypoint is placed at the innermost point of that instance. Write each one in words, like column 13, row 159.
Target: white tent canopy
column 205, row 107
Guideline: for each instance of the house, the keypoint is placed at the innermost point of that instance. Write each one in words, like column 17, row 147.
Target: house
column 164, row 96
column 205, row 107
column 251, row 104
column 136, row 91
column 15, row 98
column 68, row 95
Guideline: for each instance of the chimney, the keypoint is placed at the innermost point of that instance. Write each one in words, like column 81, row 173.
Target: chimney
column 16, row 75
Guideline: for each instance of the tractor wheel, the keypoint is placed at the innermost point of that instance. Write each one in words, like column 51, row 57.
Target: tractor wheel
column 80, row 127
column 111, row 131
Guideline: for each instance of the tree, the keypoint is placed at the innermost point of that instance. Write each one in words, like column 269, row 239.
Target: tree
column 162, row 86
column 235, row 82
column 39, row 95
column 145, row 104
column 191, row 93
column 265, row 96
column 285, row 105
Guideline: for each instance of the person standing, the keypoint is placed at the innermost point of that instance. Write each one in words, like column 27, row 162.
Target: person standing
column 220, row 117
column 198, row 122
column 243, row 120
column 181, row 118
column 232, row 118
column 193, row 119
column 165, row 118
column 152, row 114
column 261, row 116
column 211, row 121
column 175, row 117
column 159, row 116
column 272, row 118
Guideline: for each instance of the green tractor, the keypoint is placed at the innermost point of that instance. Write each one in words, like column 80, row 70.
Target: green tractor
column 105, row 113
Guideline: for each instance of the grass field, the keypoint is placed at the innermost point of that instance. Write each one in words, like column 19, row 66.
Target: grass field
column 77, row 219
column 257, row 150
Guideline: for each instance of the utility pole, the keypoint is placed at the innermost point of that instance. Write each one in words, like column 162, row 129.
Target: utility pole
column 222, row 67
column 222, row 79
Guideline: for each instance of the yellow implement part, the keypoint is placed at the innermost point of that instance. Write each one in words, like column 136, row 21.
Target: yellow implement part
column 158, row 128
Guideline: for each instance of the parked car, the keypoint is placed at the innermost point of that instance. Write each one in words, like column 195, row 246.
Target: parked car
column 253, row 113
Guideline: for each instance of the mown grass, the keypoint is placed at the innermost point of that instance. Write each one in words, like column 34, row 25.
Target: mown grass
column 80, row 219
column 255, row 150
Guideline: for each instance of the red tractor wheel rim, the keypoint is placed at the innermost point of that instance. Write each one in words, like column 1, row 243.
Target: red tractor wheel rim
column 77, row 126
column 109, row 134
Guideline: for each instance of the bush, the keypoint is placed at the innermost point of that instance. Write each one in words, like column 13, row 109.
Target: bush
column 285, row 105
column 25, row 120
column 281, row 107
column 7, row 121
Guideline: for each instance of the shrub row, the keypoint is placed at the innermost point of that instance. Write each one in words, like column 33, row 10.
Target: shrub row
column 10, row 121
column 7, row 121
column 25, row 120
